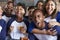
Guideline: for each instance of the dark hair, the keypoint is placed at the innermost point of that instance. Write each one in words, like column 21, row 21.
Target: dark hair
column 31, row 7
column 10, row 2
column 43, row 12
column 53, row 15
column 23, row 6
column 39, row 1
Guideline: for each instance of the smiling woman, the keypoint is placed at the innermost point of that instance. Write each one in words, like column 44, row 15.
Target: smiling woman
column 52, row 13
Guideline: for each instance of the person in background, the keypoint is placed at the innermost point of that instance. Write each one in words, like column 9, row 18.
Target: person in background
column 7, row 13
column 30, row 10
column 2, row 26
column 40, row 5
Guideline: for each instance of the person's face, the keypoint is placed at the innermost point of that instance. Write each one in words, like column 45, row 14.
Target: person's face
column 30, row 13
column 10, row 5
column 20, row 11
column 9, row 8
column 39, row 18
column 40, row 5
column 50, row 7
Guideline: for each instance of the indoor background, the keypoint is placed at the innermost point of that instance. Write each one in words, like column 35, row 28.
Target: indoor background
column 27, row 2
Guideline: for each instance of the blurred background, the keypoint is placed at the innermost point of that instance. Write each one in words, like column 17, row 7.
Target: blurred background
column 27, row 2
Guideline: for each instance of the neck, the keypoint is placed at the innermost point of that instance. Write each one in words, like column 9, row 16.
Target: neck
column 19, row 19
column 8, row 15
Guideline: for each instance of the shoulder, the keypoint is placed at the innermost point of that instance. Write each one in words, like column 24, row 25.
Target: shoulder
column 32, row 24
column 13, row 23
column 2, row 20
column 13, row 16
column 58, row 16
column 58, row 13
column 10, row 21
column 26, row 21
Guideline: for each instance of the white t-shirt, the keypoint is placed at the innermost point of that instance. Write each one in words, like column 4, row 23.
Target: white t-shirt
column 50, row 37
column 45, row 37
column 48, row 19
column 6, row 18
column 15, row 34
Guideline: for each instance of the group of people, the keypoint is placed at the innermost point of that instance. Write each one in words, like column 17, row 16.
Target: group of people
column 41, row 23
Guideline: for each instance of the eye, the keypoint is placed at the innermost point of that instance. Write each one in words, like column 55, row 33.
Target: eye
column 42, row 5
column 20, row 9
column 38, row 16
column 38, row 23
column 51, row 4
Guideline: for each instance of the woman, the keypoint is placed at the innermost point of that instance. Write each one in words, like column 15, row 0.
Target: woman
column 52, row 15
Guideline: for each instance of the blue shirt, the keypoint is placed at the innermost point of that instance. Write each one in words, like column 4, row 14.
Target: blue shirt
column 3, row 31
column 58, row 17
column 58, row 20
column 57, row 29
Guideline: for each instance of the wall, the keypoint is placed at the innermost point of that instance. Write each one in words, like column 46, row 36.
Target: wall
column 27, row 2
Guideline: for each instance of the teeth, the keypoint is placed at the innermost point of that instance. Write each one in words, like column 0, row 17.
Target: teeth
column 49, row 10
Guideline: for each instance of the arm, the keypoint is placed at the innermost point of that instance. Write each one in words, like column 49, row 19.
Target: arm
column 47, row 32
column 53, row 23
column 3, row 31
column 37, row 31
column 33, row 30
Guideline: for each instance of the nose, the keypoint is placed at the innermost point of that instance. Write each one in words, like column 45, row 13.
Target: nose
column 18, row 11
column 37, row 20
column 49, row 6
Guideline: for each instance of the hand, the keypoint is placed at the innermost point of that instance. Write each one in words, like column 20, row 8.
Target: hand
column 25, row 38
column 44, row 31
column 11, row 28
column 22, row 30
column 51, row 32
column 53, row 23
column 54, row 32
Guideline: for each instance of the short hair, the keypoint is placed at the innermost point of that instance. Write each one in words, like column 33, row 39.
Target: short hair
column 43, row 12
column 39, row 1
column 9, row 2
column 21, row 4
column 31, row 7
